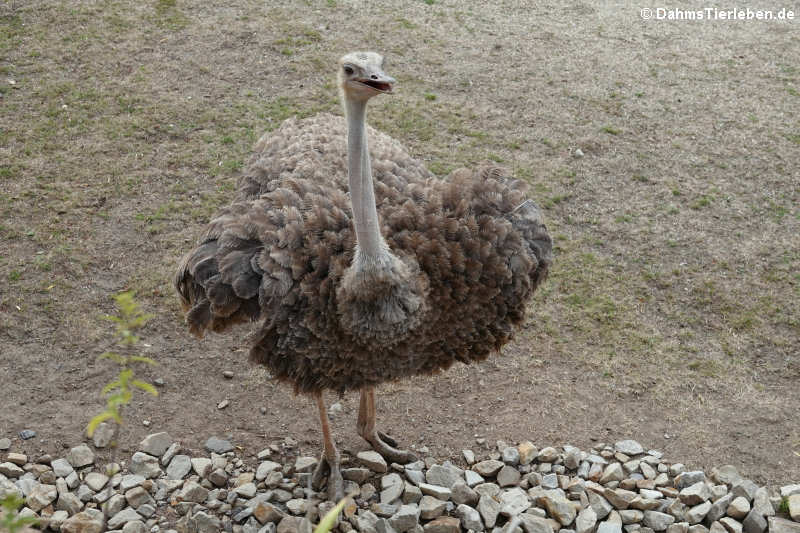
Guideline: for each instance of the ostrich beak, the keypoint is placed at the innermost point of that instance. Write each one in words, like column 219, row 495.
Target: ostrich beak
column 379, row 81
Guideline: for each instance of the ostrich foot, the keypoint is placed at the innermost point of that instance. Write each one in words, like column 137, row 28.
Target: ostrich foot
column 330, row 469
column 386, row 446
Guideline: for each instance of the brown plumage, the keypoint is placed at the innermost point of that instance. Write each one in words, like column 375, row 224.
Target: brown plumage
column 464, row 257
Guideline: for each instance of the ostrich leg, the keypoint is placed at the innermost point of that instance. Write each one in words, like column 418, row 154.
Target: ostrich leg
column 329, row 462
column 382, row 443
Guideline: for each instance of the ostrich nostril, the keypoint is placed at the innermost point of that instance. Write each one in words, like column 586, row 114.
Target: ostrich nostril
column 374, row 76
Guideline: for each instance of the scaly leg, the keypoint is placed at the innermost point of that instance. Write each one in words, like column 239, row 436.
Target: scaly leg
column 329, row 462
column 381, row 443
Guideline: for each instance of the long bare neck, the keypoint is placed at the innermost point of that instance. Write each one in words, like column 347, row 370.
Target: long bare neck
column 371, row 246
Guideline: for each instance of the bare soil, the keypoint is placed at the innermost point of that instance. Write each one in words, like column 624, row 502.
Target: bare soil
column 672, row 312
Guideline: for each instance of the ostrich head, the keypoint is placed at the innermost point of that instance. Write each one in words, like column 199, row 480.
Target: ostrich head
column 361, row 76
column 381, row 297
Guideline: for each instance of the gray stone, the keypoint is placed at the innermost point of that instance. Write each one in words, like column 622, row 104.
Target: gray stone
column 620, row 498
column 372, row 460
column 201, row 465
column 631, row 516
column 687, row 479
column 698, row 528
column 5, row 444
column 470, row 518
column 179, row 467
column 415, row 476
column 718, row 509
column 442, row 493
column 739, row 508
column 513, row 502
column 549, row 481
column 384, row 510
column 137, row 496
column 11, row 470
column 95, row 480
column 84, row 493
column 115, row 504
column 559, row 507
column 123, row 517
column 267, row 513
column 80, row 456
column 789, row 490
column 696, row 514
column 72, row 480
column 754, row 522
column 487, row 489
column 629, row 447
column 761, row 503
column 657, row 521
column 430, row 507
column 134, row 526
column 645, row 504
column 411, row 493
column 678, row 527
column 535, row 524
column 731, row 525
column 489, row 509
column 586, row 520
column 129, row 481
column 612, row 472
column 297, row 506
column 463, row 494
column 488, row 468
column 305, row 464
column 527, row 452
column 473, row 478
column 600, row 505
column 609, row 527
column 103, row 435
column 695, row 494
column 744, row 489
column 70, row 503
column 508, row 476
column 510, row 455
column 727, row 475
column 781, row 525
column 88, row 521
column 384, row 526
column 548, row 455
column 41, row 496
column 217, row 445
column 57, row 519
column 392, row 486
column 443, row 524
column 61, row 467
column 171, row 452
column 192, row 492
column 268, row 466
column 444, row 475
column 145, row 465
column 794, row 507
column 246, row 490
column 406, row 517
column 155, row 444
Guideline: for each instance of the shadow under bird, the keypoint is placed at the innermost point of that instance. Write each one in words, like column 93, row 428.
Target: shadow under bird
column 359, row 265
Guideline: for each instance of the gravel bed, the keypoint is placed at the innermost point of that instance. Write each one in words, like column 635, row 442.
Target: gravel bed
column 513, row 489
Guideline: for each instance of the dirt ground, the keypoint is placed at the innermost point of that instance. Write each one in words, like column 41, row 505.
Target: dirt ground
column 664, row 153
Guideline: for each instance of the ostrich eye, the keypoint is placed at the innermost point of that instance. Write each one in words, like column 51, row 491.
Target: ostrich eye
column 348, row 70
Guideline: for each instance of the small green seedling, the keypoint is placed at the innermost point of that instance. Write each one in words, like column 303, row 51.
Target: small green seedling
column 120, row 391
column 327, row 522
column 10, row 520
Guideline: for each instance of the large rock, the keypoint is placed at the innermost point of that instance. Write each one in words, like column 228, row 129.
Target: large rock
column 731, row 525
column 444, row 524
column 444, row 475
column 61, row 467
column 513, row 502
column 739, row 508
column 558, row 507
column 430, row 507
column 586, row 520
column 217, row 445
column 508, row 476
column 372, row 460
column 269, row 466
column 470, row 518
column 80, row 456
column 88, row 521
column 155, row 444
column 535, row 524
column 726, row 475
column 489, row 509
column 695, row 494
column 781, row 525
column 192, row 492
column 179, row 467
column 407, row 517
column 103, row 434
column 696, row 514
column 761, row 503
column 794, row 507
column 123, row 517
column 754, row 522
column 267, row 513
column 658, row 521
column 488, row 468
column 629, row 447
column 41, row 496
column 718, row 509
column 144, row 465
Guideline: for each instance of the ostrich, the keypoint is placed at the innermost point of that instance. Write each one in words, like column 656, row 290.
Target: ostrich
column 355, row 281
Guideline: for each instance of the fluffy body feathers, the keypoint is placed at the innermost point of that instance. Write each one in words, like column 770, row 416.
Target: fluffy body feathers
column 469, row 252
